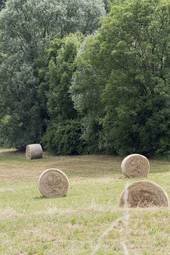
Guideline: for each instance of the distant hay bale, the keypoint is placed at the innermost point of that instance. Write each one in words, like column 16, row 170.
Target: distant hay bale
column 53, row 183
column 34, row 151
column 144, row 194
column 135, row 165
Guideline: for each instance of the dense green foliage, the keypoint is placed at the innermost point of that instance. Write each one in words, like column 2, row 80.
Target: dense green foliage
column 64, row 138
column 26, row 27
column 79, row 83
column 64, row 128
column 122, row 83
column 2, row 3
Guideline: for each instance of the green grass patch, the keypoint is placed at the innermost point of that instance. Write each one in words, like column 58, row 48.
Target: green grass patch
column 77, row 224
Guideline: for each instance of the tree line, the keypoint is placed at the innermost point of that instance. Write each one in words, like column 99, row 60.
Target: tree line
column 86, row 76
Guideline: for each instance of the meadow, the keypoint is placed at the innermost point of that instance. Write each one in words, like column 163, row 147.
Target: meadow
column 88, row 220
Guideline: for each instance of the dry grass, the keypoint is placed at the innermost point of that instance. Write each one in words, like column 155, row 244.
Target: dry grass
column 14, row 167
column 31, row 225
column 144, row 194
column 135, row 165
column 34, row 151
column 53, row 183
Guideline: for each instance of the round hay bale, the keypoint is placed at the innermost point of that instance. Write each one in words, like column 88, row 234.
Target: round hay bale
column 144, row 194
column 34, row 151
column 135, row 165
column 53, row 183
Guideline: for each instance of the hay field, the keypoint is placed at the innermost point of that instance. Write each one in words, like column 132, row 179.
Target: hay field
column 87, row 221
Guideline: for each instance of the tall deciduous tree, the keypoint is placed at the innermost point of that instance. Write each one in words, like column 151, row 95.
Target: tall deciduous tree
column 122, row 83
column 26, row 27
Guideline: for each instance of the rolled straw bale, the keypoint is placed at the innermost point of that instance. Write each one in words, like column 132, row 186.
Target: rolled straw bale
column 135, row 165
column 34, row 151
column 53, row 183
column 144, row 194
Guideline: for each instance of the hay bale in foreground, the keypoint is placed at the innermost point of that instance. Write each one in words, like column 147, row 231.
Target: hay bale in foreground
column 135, row 165
column 53, row 183
column 34, row 151
column 144, row 194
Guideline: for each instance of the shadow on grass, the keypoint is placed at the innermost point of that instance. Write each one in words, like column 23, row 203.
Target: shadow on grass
column 39, row 198
column 47, row 198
